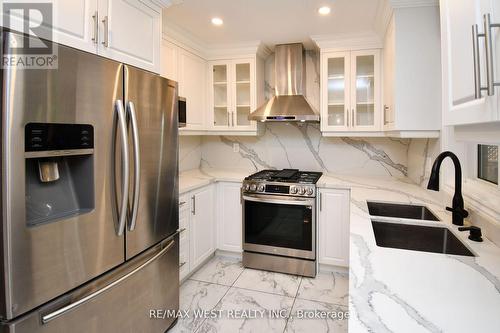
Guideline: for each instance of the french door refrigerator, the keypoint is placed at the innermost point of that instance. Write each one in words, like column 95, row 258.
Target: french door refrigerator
column 89, row 196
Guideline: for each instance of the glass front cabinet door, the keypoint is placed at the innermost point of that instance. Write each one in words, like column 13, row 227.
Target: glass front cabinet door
column 220, row 95
column 233, row 94
column 350, row 91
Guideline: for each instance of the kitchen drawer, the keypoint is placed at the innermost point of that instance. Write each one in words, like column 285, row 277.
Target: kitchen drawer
column 183, row 203
column 184, row 266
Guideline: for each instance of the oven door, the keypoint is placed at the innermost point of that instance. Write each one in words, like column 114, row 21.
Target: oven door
column 279, row 225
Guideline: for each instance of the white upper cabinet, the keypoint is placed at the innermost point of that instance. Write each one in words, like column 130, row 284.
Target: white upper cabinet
column 412, row 73
column 350, row 91
column 169, row 56
column 190, row 72
column 336, row 92
column 232, row 94
column 75, row 24
column 123, row 30
column 130, row 32
column 465, row 61
column 192, row 82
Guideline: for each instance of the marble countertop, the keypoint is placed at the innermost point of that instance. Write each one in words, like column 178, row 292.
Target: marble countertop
column 393, row 290
column 196, row 178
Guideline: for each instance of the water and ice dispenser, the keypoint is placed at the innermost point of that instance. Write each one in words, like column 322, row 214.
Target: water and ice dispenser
column 59, row 161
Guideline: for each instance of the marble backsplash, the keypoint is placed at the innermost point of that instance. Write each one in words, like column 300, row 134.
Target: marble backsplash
column 290, row 145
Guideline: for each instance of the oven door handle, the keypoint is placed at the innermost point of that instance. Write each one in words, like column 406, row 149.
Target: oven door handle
column 270, row 199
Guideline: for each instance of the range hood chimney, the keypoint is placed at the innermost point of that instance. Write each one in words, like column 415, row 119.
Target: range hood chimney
column 289, row 102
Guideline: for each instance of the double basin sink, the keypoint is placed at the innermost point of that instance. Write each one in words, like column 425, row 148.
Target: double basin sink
column 414, row 237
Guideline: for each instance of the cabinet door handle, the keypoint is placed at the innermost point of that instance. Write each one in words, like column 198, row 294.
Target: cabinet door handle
column 347, row 117
column 320, row 202
column 490, row 75
column 105, row 41
column 353, row 120
column 95, row 17
column 193, row 201
column 477, row 68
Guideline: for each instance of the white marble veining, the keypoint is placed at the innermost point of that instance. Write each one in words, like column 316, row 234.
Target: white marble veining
column 301, row 146
column 391, row 289
column 269, row 282
column 330, row 287
column 220, row 270
column 300, row 325
column 196, row 295
column 394, row 290
column 243, row 299
column 189, row 152
column 264, row 295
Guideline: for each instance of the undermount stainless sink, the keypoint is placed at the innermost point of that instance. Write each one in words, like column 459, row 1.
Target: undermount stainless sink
column 418, row 238
column 415, row 212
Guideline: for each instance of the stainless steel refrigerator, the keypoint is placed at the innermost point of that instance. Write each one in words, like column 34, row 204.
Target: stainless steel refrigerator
column 89, row 196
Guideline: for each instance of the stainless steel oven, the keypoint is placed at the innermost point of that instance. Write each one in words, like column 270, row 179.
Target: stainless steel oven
column 279, row 221
column 279, row 225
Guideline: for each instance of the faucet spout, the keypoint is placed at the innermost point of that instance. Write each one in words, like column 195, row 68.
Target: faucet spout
column 457, row 208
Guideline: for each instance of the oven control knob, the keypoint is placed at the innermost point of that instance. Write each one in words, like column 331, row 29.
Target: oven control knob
column 302, row 191
column 293, row 190
column 246, row 187
column 309, row 191
column 261, row 188
column 253, row 187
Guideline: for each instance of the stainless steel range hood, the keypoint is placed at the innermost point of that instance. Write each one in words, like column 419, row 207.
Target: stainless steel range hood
column 289, row 102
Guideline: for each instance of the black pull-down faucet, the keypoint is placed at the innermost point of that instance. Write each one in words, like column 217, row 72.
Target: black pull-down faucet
column 457, row 207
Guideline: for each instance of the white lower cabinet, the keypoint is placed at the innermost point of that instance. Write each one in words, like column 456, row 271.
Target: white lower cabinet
column 216, row 210
column 197, row 229
column 333, row 227
column 202, row 226
column 229, row 217
column 184, row 261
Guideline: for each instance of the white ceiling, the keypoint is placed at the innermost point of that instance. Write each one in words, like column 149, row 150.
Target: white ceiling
column 270, row 21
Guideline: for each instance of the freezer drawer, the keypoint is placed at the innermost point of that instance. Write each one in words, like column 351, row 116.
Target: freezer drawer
column 120, row 301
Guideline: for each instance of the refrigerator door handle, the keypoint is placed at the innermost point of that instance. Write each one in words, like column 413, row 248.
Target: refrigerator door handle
column 122, row 217
column 57, row 313
column 137, row 165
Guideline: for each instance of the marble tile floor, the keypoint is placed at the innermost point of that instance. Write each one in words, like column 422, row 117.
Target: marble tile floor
column 246, row 300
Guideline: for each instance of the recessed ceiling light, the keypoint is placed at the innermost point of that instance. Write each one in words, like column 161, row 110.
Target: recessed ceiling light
column 324, row 10
column 217, row 21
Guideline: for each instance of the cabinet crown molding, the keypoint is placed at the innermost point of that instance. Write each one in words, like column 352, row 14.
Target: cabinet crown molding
column 166, row 3
column 413, row 3
column 184, row 39
column 348, row 41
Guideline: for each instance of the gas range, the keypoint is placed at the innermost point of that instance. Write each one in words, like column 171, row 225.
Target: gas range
column 279, row 221
column 291, row 182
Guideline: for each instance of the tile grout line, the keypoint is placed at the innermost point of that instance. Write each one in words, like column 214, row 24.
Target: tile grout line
column 293, row 304
column 220, row 300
